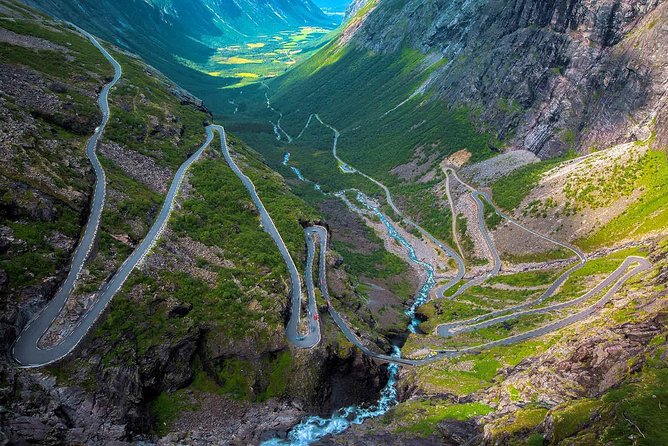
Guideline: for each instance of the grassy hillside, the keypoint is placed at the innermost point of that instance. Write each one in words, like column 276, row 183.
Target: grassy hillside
column 353, row 90
column 50, row 76
column 232, row 281
column 357, row 92
column 210, row 301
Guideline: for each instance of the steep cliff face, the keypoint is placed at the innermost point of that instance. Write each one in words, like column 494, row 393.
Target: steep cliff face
column 547, row 76
column 543, row 76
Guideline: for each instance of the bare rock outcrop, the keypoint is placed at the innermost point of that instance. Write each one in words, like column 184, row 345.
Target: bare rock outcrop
column 547, row 76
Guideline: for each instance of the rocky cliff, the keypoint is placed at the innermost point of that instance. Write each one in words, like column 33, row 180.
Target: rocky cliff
column 548, row 77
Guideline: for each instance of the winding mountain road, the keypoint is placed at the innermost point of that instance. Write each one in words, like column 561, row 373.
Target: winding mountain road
column 497, row 317
column 473, row 323
column 312, row 337
column 614, row 281
column 29, row 353
column 496, row 268
column 26, row 349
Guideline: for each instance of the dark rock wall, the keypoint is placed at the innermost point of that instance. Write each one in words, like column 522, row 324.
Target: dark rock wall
column 547, row 76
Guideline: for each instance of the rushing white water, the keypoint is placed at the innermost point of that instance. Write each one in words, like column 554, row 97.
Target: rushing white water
column 423, row 293
column 314, row 428
column 297, row 172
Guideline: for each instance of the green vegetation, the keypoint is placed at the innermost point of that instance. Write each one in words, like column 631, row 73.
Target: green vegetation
column 475, row 301
column 372, row 260
column 422, row 416
column 520, row 421
column 509, row 191
column 219, row 217
column 593, row 188
column 649, row 213
column 591, row 274
column 417, row 200
column 148, row 118
column 437, row 312
column 42, row 196
column 540, row 208
column 492, row 219
column 643, row 403
column 534, row 257
column 236, row 379
column 286, row 209
column 166, row 408
column 88, row 64
column 464, row 237
column 279, row 376
column 473, row 372
column 502, row 330
column 370, row 140
column 245, row 293
column 377, row 264
column 527, row 279
column 31, row 266
column 482, row 299
column 572, row 418
column 235, row 376
column 139, row 204
column 631, row 414
column 268, row 56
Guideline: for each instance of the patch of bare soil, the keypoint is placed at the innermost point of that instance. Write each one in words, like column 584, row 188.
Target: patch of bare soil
column 189, row 256
column 552, row 208
column 514, row 241
column 459, row 158
column 386, row 306
column 140, row 167
column 35, row 43
column 486, row 171
column 346, row 227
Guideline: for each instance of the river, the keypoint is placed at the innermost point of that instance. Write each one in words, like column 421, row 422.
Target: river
column 314, row 427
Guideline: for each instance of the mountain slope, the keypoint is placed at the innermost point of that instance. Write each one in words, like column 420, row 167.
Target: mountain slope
column 199, row 325
column 546, row 77
column 408, row 85
column 573, row 93
column 576, row 66
column 172, row 34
